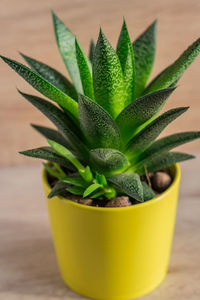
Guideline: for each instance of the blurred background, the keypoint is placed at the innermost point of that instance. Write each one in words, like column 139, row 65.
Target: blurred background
column 26, row 26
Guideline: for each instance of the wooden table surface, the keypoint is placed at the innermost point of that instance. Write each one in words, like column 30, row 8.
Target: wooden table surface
column 28, row 268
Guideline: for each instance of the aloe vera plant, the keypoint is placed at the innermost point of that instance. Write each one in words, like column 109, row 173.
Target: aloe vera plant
column 106, row 118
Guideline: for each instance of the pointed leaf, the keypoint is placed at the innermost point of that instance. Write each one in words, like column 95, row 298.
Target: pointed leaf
column 147, row 135
column 43, row 86
column 77, row 181
column 52, row 171
column 165, row 144
column 144, row 53
column 66, row 44
column 48, row 154
column 129, row 183
column 147, row 192
column 172, row 73
column 90, row 189
column 108, row 77
column 140, row 111
column 58, row 189
column 52, row 134
column 66, row 127
column 163, row 161
column 52, row 75
column 76, row 190
column 85, row 72
column 108, row 161
column 91, row 50
column 125, row 54
column 97, row 125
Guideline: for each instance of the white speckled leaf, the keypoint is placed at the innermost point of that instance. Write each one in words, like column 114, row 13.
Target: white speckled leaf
column 108, row 161
column 172, row 73
column 44, row 86
column 52, row 75
column 129, row 183
column 66, row 44
column 140, row 111
column 85, row 70
column 108, row 77
column 144, row 53
column 97, row 125
column 147, row 135
column 125, row 54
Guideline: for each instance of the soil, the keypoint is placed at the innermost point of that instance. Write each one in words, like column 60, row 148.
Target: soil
column 159, row 181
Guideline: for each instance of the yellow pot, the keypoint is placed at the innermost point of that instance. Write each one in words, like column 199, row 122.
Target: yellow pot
column 114, row 253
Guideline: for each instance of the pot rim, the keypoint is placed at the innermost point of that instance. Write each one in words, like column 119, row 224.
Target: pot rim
column 176, row 179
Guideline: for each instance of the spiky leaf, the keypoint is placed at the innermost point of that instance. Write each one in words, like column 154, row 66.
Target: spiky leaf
column 140, row 111
column 91, row 50
column 147, row 135
column 76, row 190
column 66, row 44
column 165, row 144
column 58, row 189
column 52, row 171
column 85, row 72
column 144, row 53
column 99, row 128
column 52, row 75
column 48, row 154
column 77, row 181
column 125, row 54
column 43, row 86
column 90, row 189
column 129, row 183
column 108, row 161
column 163, row 161
column 52, row 134
column 172, row 73
column 108, row 77
column 66, row 127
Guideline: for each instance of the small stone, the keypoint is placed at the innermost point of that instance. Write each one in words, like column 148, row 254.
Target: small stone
column 118, row 202
column 161, row 181
column 86, row 201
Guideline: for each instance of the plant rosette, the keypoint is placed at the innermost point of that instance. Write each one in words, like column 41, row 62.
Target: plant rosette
column 111, row 183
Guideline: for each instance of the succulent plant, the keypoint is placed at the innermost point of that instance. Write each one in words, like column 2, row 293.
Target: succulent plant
column 106, row 119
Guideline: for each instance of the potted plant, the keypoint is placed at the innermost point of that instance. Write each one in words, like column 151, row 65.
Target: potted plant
column 112, row 186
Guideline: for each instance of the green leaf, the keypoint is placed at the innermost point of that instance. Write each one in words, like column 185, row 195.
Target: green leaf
column 172, row 73
column 147, row 135
column 91, row 50
column 147, row 192
column 108, row 77
column 60, row 149
column 97, row 194
column 144, row 53
column 52, row 171
column 165, row 144
column 58, row 189
column 77, row 181
column 66, row 44
column 48, row 154
column 108, row 161
column 90, row 189
column 163, row 161
column 97, row 125
column 44, row 86
column 101, row 179
column 65, row 125
column 140, row 111
column 76, row 190
column 129, row 183
column 52, row 75
column 52, row 134
column 125, row 54
column 85, row 72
